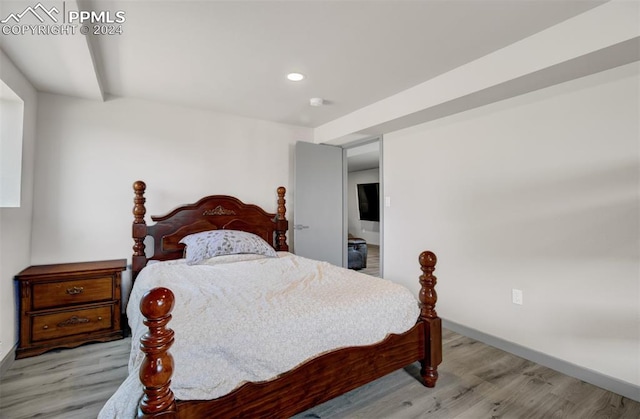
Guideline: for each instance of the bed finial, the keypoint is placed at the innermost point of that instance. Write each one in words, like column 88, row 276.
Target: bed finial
column 428, row 298
column 281, row 201
column 282, row 225
column 157, row 367
column 139, row 228
column 428, row 295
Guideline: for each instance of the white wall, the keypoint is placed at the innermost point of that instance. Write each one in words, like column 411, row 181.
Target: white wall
column 367, row 230
column 11, row 121
column 15, row 223
column 540, row 193
column 90, row 153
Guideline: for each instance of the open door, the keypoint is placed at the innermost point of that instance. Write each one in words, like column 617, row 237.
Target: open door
column 318, row 202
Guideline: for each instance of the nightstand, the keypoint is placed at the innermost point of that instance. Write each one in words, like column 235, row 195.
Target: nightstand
column 67, row 305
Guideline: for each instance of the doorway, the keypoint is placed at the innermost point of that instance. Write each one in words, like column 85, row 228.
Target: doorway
column 363, row 194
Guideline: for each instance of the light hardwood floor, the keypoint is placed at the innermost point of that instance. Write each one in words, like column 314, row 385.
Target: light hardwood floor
column 476, row 381
column 373, row 261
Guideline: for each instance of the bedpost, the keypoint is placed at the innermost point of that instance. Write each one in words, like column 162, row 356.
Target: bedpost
column 139, row 229
column 282, row 225
column 157, row 367
column 428, row 315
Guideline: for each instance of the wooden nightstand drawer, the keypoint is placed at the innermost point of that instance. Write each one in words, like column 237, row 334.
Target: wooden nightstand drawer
column 69, row 304
column 53, row 294
column 57, row 325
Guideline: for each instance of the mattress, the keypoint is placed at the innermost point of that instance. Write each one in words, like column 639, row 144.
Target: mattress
column 250, row 318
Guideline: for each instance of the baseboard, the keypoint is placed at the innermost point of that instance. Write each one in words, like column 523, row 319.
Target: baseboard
column 606, row 382
column 8, row 359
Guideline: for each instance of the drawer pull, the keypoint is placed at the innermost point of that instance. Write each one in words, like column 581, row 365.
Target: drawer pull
column 99, row 318
column 45, row 327
column 75, row 290
column 73, row 320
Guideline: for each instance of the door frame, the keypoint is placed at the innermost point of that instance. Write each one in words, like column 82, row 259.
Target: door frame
column 345, row 192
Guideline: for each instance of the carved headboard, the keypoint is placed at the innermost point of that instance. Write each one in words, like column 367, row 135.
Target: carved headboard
column 213, row 212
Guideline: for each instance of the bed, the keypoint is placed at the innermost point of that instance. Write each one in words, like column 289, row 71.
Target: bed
column 277, row 379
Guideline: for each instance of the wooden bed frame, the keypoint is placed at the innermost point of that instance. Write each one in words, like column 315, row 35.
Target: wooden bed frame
column 314, row 382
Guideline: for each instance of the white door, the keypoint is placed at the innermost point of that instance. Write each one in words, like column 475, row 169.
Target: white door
column 318, row 203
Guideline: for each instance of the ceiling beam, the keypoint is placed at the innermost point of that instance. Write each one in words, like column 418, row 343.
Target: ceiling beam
column 63, row 63
column 601, row 38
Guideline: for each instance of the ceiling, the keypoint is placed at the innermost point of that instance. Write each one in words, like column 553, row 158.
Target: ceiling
column 232, row 56
column 363, row 157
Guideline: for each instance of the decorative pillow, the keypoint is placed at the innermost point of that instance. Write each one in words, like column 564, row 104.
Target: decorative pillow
column 205, row 245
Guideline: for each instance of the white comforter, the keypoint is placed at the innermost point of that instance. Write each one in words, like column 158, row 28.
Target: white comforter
column 250, row 318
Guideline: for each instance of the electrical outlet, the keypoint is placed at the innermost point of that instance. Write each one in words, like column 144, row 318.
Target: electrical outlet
column 516, row 296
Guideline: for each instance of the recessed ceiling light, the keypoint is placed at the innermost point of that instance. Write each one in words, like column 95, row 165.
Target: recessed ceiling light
column 295, row 76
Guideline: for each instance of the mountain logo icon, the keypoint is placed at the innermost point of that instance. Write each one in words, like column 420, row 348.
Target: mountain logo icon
column 38, row 11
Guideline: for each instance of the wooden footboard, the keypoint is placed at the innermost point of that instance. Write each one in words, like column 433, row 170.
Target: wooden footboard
column 314, row 382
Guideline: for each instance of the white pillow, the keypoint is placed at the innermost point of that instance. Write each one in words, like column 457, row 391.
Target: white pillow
column 227, row 259
column 205, row 245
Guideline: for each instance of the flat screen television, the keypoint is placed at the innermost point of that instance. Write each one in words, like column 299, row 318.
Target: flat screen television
column 369, row 201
